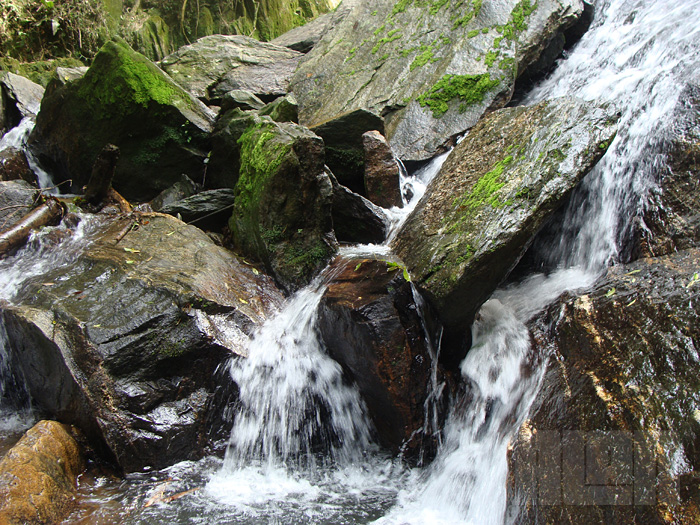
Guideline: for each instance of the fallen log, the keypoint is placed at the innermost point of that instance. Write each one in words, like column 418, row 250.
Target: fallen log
column 46, row 214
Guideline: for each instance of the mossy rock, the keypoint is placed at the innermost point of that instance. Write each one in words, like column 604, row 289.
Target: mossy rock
column 492, row 195
column 282, row 211
column 126, row 100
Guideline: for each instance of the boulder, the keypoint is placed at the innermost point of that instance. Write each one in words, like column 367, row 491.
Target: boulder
column 182, row 189
column 224, row 164
column 431, row 69
column 39, row 475
column 217, row 64
column 125, row 100
column 382, row 175
column 305, row 37
column 21, row 92
column 355, row 219
column 282, row 109
column 208, row 209
column 124, row 341
column 613, row 435
column 492, row 195
column 345, row 154
column 14, row 166
column 371, row 325
column 282, row 211
column 17, row 197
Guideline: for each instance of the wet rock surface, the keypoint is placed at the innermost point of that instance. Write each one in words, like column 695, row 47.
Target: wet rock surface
column 621, row 390
column 492, row 195
column 356, row 219
column 14, row 166
column 17, row 197
column 125, row 341
column 39, row 475
column 371, row 325
column 382, row 178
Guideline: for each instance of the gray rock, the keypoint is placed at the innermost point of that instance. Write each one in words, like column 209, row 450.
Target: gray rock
column 304, row 38
column 430, row 69
column 356, row 219
column 620, row 396
column 240, row 98
column 182, row 189
column 17, row 197
column 22, row 92
column 14, row 166
column 126, row 342
column 382, row 175
column 282, row 109
column 217, row 64
column 492, row 195
column 208, row 209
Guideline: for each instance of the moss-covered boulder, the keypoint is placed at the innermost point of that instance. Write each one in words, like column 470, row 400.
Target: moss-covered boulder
column 123, row 99
column 431, row 69
column 370, row 323
column 216, row 64
column 39, row 475
column 124, row 338
column 614, row 434
column 494, row 192
column 282, row 210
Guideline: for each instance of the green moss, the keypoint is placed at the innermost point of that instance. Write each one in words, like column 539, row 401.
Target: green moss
column 468, row 254
column 467, row 17
column 486, row 187
column 40, row 72
column 379, row 30
column 436, row 5
column 121, row 79
column 390, row 37
column 400, row 6
column 423, row 58
column 491, row 57
column 469, row 89
column 516, row 24
column 507, row 63
column 603, row 145
column 473, row 33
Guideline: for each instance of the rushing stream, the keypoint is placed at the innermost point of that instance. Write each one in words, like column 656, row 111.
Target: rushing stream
column 300, row 449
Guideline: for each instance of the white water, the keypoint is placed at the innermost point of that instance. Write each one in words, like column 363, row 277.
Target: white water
column 16, row 138
column 285, row 466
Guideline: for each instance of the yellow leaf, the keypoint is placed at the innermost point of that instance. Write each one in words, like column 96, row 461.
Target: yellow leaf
column 129, row 262
column 131, row 250
column 243, row 301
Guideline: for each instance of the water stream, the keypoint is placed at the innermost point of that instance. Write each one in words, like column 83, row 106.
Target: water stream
column 300, row 450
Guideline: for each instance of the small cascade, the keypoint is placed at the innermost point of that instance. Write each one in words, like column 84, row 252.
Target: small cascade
column 16, row 138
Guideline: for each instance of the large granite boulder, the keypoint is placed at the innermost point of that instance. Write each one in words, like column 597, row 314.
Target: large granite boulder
column 492, row 195
column 19, row 98
column 614, row 434
column 282, row 210
column 124, row 339
column 214, row 65
column 370, row 323
column 355, row 219
column 125, row 100
column 382, row 172
column 17, row 197
column 39, row 475
column 15, row 166
column 305, row 37
column 431, row 69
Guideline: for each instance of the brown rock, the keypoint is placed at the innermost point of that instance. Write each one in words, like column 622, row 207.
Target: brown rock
column 38, row 475
column 14, row 166
column 370, row 325
column 382, row 178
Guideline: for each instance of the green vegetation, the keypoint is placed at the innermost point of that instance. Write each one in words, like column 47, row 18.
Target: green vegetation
column 485, row 188
column 491, row 57
column 392, row 266
column 390, row 37
column 423, row 58
column 469, row 89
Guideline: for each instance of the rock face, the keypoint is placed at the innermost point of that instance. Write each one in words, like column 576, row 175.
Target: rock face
column 126, row 341
column 430, row 69
column 304, row 38
column 355, row 219
column 39, row 475
column 492, row 195
column 208, row 210
column 370, row 324
column 622, row 382
column 125, row 100
column 282, row 210
column 216, row 64
column 382, row 179
column 22, row 93
column 17, row 197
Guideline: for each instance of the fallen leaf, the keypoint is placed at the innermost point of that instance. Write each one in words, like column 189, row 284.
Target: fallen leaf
column 611, row 292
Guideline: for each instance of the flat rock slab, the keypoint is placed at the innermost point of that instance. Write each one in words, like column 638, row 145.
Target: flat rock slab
column 494, row 192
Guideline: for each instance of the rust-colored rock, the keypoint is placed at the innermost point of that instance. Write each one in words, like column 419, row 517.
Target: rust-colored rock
column 382, row 178
column 370, row 325
column 38, row 476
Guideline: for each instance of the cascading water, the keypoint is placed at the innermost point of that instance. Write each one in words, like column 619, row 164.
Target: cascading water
column 300, row 449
